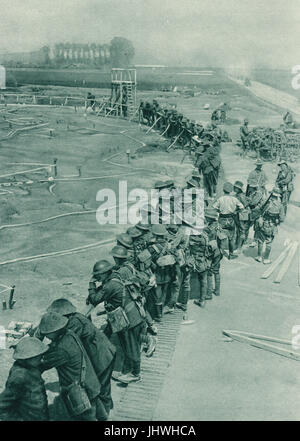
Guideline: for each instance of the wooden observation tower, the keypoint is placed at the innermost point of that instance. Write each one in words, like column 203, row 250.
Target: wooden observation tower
column 123, row 91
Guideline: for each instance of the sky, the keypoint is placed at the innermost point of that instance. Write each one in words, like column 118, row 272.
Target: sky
column 226, row 33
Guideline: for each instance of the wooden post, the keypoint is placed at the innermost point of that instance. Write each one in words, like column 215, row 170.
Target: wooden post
column 11, row 302
column 55, row 166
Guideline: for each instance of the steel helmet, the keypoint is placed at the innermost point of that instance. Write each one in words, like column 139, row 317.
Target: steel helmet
column 228, row 187
column 120, row 252
column 259, row 162
column 62, row 306
column 102, row 266
column 192, row 182
column 134, row 232
column 238, row 184
column 159, row 230
column 51, row 322
column 29, row 347
column 196, row 173
column 143, row 227
column 281, row 162
column 125, row 240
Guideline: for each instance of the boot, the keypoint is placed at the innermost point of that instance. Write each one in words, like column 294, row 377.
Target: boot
column 259, row 252
column 266, row 260
column 239, row 244
column 158, row 311
column 209, row 288
column 217, row 284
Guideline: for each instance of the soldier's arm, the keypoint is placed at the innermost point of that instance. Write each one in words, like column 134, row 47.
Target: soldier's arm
column 239, row 205
column 96, row 295
column 54, row 358
column 281, row 214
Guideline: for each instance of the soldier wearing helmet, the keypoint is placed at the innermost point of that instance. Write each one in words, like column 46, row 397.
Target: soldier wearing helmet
column 98, row 347
column 258, row 176
column 244, row 134
column 66, row 354
column 228, row 207
column 24, row 397
column 284, row 182
column 215, row 251
column 265, row 226
column 243, row 218
column 163, row 274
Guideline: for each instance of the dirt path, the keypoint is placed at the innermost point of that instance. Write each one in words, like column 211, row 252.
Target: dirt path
column 273, row 96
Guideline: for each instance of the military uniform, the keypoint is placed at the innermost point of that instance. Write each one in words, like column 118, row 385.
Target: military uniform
column 216, row 249
column 179, row 247
column 285, row 184
column 258, row 177
column 24, row 397
column 100, row 351
column 265, row 228
column 243, row 217
column 199, row 264
column 228, row 207
column 113, row 294
column 65, row 356
column 244, row 133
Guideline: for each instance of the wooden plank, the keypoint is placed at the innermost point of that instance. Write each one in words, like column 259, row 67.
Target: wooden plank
column 259, row 344
column 276, row 262
column 286, row 263
column 261, row 337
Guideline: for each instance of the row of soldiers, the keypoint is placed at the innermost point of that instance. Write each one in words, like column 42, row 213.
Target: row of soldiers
column 150, row 276
column 183, row 131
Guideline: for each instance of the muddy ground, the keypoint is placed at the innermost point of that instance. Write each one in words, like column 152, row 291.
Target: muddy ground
column 90, row 142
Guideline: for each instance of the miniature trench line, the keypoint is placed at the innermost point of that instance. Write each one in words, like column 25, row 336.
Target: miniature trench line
column 83, row 247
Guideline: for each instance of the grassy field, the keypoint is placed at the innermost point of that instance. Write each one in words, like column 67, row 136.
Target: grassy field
column 149, row 80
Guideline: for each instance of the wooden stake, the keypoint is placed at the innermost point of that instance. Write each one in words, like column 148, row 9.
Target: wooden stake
column 286, row 263
column 153, row 125
column 276, row 262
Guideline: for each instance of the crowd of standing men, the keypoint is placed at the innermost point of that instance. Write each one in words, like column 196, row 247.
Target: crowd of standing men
column 150, row 276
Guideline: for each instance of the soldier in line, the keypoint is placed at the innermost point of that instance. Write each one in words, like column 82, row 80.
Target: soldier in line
column 285, row 184
column 243, row 217
column 244, row 133
column 179, row 245
column 258, row 176
column 266, row 226
column 100, row 350
column 198, row 263
column 216, row 249
column 163, row 274
column 24, row 397
column 128, row 273
column 116, row 298
column 228, row 206
column 67, row 355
